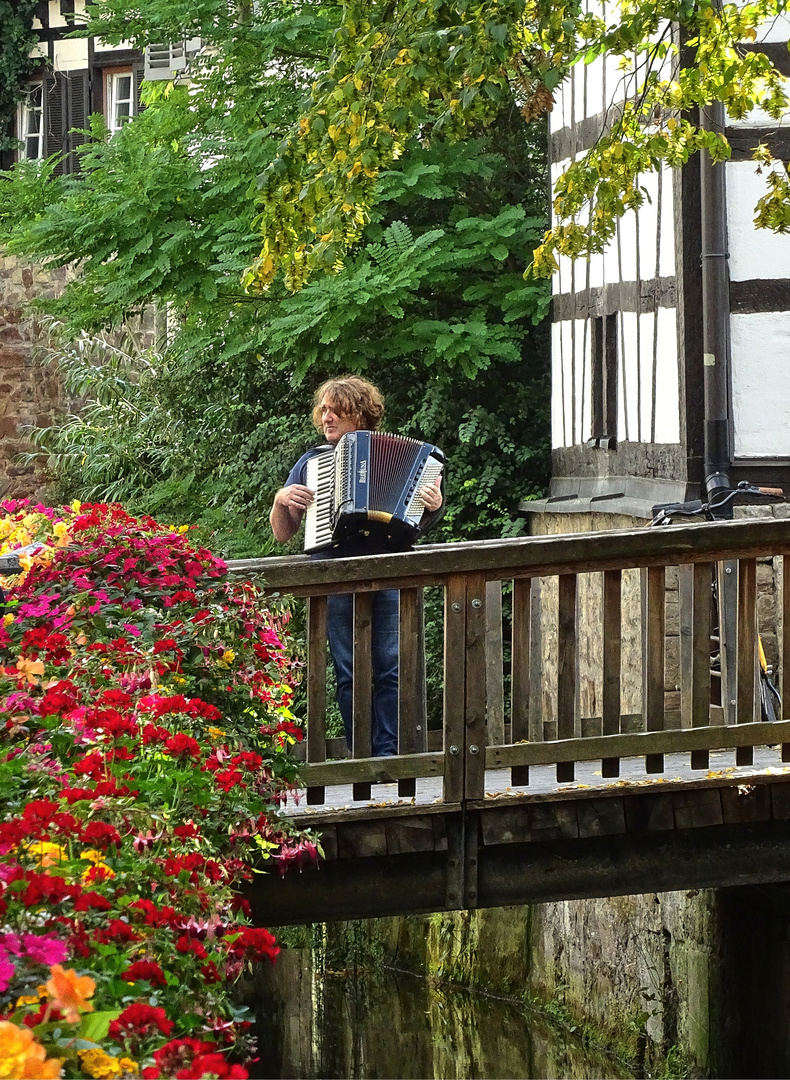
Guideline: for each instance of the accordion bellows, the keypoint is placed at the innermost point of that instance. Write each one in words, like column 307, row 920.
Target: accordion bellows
column 369, row 486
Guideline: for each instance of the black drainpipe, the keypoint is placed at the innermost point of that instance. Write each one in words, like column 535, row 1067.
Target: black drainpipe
column 715, row 312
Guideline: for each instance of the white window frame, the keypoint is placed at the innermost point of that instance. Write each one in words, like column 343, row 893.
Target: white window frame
column 116, row 119
column 30, row 122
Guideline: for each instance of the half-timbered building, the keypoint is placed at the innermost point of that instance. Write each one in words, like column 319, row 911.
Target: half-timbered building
column 671, row 351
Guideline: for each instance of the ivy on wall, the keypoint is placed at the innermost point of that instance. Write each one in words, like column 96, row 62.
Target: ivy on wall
column 17, row 40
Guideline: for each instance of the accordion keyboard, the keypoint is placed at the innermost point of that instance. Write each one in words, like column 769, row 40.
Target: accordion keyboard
column 430, row 474
column 317, row 519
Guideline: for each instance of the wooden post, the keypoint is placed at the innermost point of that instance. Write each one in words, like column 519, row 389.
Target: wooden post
column 566, row 669
column 475, row 712
column 363, row 684
column 316, row 688
column 454, row 686
column 495, row 689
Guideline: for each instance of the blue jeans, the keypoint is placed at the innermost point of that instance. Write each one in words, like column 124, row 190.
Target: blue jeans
column 384, row 649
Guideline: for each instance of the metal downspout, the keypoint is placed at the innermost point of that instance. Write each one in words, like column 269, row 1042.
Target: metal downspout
column 715, row 312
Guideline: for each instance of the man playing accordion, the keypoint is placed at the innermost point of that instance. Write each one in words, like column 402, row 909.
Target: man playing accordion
column 345, row 405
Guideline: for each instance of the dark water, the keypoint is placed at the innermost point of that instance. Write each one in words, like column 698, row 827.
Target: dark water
column 375, row 1024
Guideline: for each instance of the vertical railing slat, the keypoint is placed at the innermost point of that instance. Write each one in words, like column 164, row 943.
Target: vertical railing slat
column 495, row 689
column 612, row 647
column 747, row 638
column 566, row 668
column 411, row 680
column 535, row 733
column 653, row 657
column 363, row 684
column 519, row 662
column 694, row 587
column 612, row 658
column 454, row 686
column 409, row 675
column 653, row 644
column 316, row 689
column 475, row 711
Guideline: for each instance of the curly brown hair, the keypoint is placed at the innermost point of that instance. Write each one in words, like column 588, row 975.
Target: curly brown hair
column 351, row 396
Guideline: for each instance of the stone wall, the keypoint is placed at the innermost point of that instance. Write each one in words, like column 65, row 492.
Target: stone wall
column 31, row 395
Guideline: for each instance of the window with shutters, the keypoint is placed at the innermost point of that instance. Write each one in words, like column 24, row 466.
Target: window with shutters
column 30, row 122
column 121, row 98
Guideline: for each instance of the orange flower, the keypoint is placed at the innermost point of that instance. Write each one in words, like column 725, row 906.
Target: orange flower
column 28, row 669
column 69, row 992
column 22, row 1058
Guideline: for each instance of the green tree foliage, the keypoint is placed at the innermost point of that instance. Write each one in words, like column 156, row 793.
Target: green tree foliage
column 453, row 63
column 431, row 304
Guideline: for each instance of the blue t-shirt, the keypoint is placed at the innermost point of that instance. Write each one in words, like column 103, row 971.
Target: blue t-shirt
column 347, row 549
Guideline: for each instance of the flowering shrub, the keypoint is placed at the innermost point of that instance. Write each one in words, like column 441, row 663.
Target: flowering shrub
column 144, row 749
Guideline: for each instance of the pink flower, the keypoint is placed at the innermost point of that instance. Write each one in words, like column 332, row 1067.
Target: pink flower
column 45, row 949
column 6, row 972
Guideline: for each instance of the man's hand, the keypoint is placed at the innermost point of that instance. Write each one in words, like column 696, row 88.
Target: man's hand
column 288, row 510
column 295, row 498
column 431, row 495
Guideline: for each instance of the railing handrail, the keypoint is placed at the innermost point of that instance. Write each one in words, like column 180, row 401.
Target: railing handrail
column 534, row 556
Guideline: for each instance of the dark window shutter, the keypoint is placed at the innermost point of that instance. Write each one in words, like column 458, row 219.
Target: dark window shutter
column 78, row 107
column 55, row 123
column 138, row 70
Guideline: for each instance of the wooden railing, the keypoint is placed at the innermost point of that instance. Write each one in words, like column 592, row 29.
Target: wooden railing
column 590, row 624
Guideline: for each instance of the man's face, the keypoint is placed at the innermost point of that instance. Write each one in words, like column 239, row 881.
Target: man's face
column 336, row 424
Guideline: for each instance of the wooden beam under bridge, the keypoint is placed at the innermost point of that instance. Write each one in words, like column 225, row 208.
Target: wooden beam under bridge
column 516, row 850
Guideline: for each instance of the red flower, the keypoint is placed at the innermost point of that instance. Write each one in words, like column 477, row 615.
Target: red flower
column 145, row 971
column 93, row 900
column 137, row 1021
column 179, row 1053
column 255, row 943
column 182, row 746
column 101, row 834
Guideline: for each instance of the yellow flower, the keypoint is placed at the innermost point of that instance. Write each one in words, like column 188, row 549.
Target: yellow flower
column 45, row 853
column 8, row 619
column 98, row 1064
column 69, row 992
column 215, row 733
column 76, row 506
column 228, row 656
column 130, row 1067
column 22, row 1058
column 97, row 860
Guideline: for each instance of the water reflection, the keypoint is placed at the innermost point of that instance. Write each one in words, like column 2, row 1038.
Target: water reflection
column 374, row 1025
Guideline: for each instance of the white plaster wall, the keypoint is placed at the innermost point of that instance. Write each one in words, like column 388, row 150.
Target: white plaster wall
column 667, row 264
column 627, row 399
column 71, row 54
column 557, row 425
column 667, row 421
column 754, row 253
column 583, row 380
column 761, row 384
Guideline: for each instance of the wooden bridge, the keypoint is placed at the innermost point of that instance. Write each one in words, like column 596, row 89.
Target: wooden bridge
column 596, row 777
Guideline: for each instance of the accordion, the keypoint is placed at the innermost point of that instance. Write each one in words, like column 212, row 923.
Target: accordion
column 369, row 486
